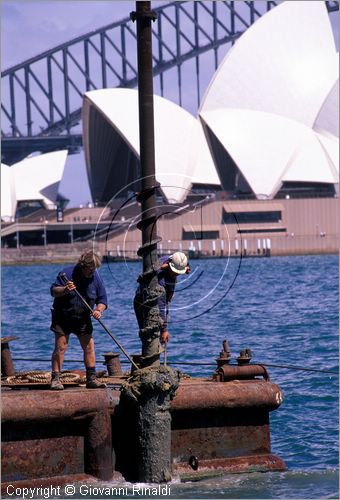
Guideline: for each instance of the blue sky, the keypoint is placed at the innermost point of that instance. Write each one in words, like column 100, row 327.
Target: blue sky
column 31, row 27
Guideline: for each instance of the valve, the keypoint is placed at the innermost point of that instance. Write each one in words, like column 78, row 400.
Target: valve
column 225, row 355
column 244, row 357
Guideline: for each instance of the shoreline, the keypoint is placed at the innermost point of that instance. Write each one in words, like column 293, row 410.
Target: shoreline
column 57, row 259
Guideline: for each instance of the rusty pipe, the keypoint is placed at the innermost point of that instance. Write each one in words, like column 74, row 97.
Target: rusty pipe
column 241, row 372
column 234, row 394
column 55, row 405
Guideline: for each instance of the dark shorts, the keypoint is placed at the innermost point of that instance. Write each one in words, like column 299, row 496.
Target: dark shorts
column 62, row 325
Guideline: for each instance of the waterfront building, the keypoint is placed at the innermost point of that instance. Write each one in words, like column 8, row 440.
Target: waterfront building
column 255, row 173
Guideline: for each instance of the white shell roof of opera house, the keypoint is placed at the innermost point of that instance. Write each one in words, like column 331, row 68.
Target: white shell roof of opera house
column 34, row 178
column 273, row 103
column 182, row 156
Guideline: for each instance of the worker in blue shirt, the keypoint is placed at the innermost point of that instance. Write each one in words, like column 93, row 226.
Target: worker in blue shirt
column 171, row 267
column 70, row 315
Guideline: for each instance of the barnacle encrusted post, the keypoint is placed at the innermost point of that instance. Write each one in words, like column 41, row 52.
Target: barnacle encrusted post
column 150, row 391
column 150, row 388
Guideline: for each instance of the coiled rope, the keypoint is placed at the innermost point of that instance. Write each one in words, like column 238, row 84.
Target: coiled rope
column 40, row 377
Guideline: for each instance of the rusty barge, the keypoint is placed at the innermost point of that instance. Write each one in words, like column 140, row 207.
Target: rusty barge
column 219, row 425
column 189, row 427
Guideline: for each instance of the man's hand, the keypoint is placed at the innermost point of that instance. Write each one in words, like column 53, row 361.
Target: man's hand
column 69, row 286
column 60, row 291
column 97, row 313
column 165, row 337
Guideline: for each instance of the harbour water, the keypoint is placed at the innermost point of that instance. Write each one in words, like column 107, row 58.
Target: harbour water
column 284, row 308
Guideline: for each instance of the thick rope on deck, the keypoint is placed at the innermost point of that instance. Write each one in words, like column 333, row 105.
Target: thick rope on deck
column 40, row 377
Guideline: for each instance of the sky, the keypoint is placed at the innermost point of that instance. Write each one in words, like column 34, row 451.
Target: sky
column 31, row 27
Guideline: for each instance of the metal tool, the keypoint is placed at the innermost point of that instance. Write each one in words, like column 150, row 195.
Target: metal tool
column 65, row 279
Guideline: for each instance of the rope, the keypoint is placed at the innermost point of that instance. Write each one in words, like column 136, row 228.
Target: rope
column 41, row 377
column 48, row 360
column 195, row 363
column 288, row 367
column 300, row 368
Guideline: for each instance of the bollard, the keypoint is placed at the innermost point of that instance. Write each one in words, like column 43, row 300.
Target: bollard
column 225, row 355
column 244, row 357
column 7, row 366
column 112, row 363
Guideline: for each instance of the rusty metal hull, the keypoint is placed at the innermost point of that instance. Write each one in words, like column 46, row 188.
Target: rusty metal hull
column 8, row 487
column 224, row 426
column 216, row 426
column 237, row 465
column 47, row 434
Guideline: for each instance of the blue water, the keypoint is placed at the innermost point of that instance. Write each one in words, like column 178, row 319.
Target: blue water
column 284, row 308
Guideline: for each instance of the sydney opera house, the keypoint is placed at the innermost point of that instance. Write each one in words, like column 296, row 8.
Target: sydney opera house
column 257, row 171
column 32, row 183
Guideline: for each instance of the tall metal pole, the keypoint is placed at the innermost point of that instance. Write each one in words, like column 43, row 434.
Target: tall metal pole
column 152, row 387
column 151, row 290
column 144, row 16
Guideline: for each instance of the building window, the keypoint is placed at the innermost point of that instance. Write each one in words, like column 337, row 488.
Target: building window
column 262, row 230
column 251, row 217
column 200, row 235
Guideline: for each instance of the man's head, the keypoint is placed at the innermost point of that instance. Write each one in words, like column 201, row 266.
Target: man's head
column 178, row 263
column 89, row 261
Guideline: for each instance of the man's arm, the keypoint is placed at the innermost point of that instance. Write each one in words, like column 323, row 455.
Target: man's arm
column 101, row 300
column 61, row 291
column 162, row 305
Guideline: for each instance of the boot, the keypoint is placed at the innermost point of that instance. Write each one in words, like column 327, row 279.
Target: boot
column 91, row 380
column 56, row 385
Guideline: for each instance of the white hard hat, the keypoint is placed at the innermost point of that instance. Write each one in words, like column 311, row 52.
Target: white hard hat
column 178, row 262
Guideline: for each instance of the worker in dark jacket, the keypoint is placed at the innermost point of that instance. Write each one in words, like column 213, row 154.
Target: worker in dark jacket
column 70, row 315
column 171, row 267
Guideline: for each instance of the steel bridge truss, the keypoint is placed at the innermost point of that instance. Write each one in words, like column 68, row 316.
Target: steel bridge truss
column 42, row 97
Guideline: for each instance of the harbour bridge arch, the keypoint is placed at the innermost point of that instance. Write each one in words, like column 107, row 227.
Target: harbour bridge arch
column 42, row 97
